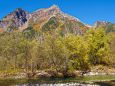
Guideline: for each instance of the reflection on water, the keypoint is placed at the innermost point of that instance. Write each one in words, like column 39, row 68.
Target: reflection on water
column 103, row 83
column 106, row 83
column 67, row 84
column 61, row 81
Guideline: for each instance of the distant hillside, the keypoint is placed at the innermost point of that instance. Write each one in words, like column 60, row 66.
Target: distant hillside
column 109, row 27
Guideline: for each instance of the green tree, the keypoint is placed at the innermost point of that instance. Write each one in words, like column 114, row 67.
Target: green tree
column 98, row 45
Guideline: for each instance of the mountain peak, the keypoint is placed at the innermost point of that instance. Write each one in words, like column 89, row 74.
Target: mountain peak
column 19, row 9
column 54, row 7
column 101, row 23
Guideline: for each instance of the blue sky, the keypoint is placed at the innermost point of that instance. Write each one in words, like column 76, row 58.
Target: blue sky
column 88, row 11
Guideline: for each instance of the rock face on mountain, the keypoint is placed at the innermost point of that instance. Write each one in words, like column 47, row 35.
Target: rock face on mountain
column 14, row 19
column 101, row 23
column 51, row 12
column 108, row 26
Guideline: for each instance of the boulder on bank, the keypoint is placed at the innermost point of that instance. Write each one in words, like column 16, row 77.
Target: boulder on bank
column 42, row 74
column 15, row 75
column 101, row 70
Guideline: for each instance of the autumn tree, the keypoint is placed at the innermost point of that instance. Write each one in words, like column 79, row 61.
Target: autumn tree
column 98, row 45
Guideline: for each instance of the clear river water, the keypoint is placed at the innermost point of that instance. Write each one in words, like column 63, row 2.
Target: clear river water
column 102, row 80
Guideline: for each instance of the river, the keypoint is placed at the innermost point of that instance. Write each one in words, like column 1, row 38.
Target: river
column 102, row 80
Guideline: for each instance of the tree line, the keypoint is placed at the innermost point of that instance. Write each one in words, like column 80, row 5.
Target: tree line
column 32, row 51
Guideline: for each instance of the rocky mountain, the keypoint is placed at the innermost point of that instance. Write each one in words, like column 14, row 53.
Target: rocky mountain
column 14, row 20
column 42, row 20
column 108, row 26
column 53, row 11
column 47, row 19
column 101, row 23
